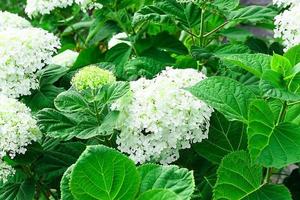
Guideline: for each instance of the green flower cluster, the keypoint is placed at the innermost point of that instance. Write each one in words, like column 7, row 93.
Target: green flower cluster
column 92, row 77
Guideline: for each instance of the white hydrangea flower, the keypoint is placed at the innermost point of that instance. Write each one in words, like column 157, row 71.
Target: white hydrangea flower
column 117, row 39
column 18, row 129
column 288, row 27
column 88, row 4
column 10, row 20
column 22, row 53
column 6, row 171
column 158, row 117
column 35, row 7
column 65, row 59
column 285, row 3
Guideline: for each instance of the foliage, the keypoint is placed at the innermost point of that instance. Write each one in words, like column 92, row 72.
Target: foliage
column 251, row 82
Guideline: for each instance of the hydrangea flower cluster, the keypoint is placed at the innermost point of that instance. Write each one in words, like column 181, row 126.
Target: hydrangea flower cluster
column 288, row 26
column 35, row 7
column 65, row 59
column 5, row 171
column 159, row 117
column 10, row 20
column 92, row 77
column 22, row 53
column 17, row 127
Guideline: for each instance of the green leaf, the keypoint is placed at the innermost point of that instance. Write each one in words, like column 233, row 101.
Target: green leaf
column 159, row 194
column 43, row 97
column 252, row 14
column 271, row 144
column 293, row 55
column 104, row 174
column 238, row 179
column 110, row 93
column 56, row 124
column 178, row 180
column 273, row 85
column 54, row 162
column 293, row 114
column 185, row 16
column 151, row 13
column 119, row 55
column 226, row 5
column 281, row 65
column 224, row 137
column 86, row 57
column 225, row 95
column 18, row 188
column 229, row 49
column 64, row 185
column 70, row 101
column 253, row 63
column 167, row 42
column 51, row 74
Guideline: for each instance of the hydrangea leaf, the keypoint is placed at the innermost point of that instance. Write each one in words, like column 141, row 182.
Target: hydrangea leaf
column 293, row 55
column 272, row 85
column 158, row 177
column 238, row 179
column 271, row 144
column 64, row 185
column 226, row 5
column 159, row 194
column 225, row 95
column 17, row 188
column 252, row 14
column 105, row 174
column 56, row 124
column 70, row 101
column 224, row 137
column 253, row 63
column 55, row 161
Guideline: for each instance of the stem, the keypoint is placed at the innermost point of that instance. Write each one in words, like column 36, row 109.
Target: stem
column 216, row 29
column 282, row 113
column 202, row 27
column 267, row 176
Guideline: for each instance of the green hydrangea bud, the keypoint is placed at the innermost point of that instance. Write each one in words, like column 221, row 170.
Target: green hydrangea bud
column 92, row 77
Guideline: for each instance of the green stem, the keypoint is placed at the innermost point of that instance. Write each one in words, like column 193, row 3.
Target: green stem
column 267, row 176
column 282, row 113
column 202, row 27
column 216, row 29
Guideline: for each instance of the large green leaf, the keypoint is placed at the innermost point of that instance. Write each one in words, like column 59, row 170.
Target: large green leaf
column 238, row 179
column 224, row 137
column 64, row 185
column 159, row 194
column 18, row 188
column 270, row 143
column 104, row 174
column 225, row 95
column 55, row 124
column 253, row 63
column 178, row 180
